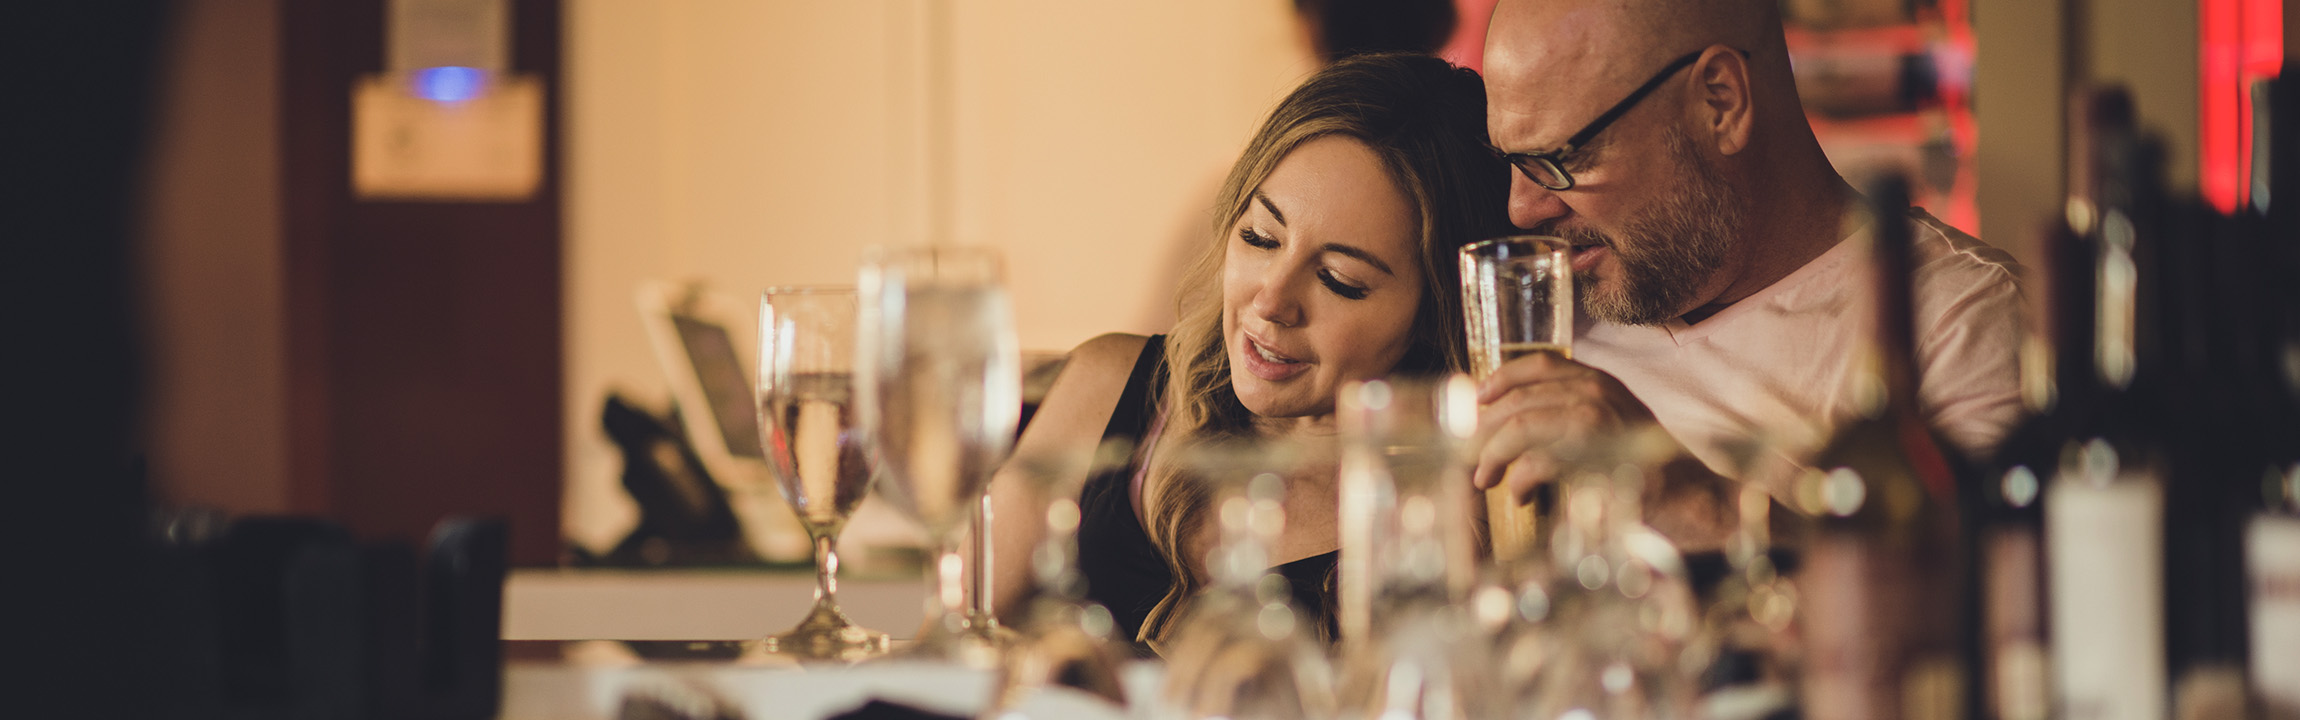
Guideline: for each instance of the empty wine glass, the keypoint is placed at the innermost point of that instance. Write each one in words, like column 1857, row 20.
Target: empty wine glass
column 940, row 394
column 1065, row 639
column 806, row 388
column 1617, row 610
column 1242, row 648
column 1412, row 647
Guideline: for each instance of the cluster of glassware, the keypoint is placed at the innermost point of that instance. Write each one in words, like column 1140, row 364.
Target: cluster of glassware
column 1596, row 619
column 912, row 378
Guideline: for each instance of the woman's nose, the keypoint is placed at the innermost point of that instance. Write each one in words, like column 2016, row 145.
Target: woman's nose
column 1530, row 204
column 1277, row 298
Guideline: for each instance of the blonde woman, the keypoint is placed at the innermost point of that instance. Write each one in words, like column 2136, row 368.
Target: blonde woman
column 1331, row 259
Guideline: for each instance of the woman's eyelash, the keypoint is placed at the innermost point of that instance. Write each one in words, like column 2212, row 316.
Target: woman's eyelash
column 1256, row 239
column 1343, row 289
column 1333, row 283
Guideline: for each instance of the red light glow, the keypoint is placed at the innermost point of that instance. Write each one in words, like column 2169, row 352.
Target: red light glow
column 2242, row 42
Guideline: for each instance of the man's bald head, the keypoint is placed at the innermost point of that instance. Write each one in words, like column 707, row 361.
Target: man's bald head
column 1559, row 49
column 1627, row 31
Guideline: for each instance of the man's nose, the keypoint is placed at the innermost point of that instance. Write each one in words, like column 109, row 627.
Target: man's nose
column 1530, row 204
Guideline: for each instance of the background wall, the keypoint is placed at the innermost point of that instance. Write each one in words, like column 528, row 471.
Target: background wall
column 213, row 299
column 747, row 144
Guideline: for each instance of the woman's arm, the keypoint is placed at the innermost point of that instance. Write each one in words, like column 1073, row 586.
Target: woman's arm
column 1064, row 434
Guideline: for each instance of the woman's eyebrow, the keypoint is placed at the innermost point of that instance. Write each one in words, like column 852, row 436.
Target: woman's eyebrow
column 1270, row 206
column 1360, row 254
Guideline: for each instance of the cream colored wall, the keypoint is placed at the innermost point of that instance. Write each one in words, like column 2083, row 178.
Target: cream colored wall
column 2150, row 47
column 2020, row 105
column 747, row 143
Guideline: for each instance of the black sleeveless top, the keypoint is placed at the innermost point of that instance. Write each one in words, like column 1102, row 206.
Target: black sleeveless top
column 1123, row 570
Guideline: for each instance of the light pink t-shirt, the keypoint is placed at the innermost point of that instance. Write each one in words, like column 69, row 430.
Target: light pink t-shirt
column 1773, row 372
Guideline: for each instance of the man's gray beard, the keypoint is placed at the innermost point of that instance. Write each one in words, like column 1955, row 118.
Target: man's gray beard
column 1668, row 252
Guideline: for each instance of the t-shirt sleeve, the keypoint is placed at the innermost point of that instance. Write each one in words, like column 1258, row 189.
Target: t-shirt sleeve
column 1969, row 353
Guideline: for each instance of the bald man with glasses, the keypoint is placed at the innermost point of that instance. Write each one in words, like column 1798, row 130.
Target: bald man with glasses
column 1719, row 258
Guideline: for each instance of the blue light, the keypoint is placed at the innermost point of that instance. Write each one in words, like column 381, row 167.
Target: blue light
column 449, row 84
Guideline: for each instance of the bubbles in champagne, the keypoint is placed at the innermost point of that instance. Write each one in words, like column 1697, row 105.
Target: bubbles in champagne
column 818, row 455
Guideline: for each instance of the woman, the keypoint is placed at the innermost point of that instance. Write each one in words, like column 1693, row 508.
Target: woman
column 1332, row 260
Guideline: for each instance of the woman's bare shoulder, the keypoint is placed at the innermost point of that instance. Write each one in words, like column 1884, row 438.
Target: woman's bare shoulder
column 1092, row 379
column 1105, row 355
column 1077, row 407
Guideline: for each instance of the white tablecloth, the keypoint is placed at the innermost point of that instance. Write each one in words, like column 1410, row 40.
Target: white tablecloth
column 592, row 688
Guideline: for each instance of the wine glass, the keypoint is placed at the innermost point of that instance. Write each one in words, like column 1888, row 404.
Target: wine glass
column 1616, row 615
column 1410, row 646
column 940, row 394
column 1517, row 299
column 806, row 389
column 1065, row 639
column 1242, row 649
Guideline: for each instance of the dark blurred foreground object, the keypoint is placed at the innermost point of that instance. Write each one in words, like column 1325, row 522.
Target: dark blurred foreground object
column 684, row 518
column 83, row 624
column 289, row 618
column 1341, row 28
column 883, row 710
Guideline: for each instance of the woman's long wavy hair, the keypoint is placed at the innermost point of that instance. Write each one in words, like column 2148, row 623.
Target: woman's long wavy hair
column 1425, row 119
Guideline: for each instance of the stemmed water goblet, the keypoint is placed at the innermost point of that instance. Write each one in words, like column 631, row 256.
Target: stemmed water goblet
column 1240, row 648
column 940, row 394
column 806, row 388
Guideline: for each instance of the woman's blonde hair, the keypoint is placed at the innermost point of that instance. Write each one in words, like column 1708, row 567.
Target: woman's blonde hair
column 1425, row 119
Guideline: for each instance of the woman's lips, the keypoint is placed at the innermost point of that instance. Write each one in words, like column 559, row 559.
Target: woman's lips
column 1266, row 369
column 1586, row 257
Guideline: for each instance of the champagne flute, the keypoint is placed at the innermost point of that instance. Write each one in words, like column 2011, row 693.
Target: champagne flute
column 941, row 394
column 806, row 384
column 1517, row 298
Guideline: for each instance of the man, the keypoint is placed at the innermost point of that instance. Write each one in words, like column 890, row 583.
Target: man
column 1721, row 268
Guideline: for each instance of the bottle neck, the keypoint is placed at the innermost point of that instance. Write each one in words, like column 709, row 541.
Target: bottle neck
column 1892, row 374
column 2116, row 351
column 2072, row 312
column 2129, row 269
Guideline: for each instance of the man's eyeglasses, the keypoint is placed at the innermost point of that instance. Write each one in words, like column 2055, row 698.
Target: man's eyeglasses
column 1547, row 169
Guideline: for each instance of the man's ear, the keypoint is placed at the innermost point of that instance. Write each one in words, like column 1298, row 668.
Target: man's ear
column 1722, row 78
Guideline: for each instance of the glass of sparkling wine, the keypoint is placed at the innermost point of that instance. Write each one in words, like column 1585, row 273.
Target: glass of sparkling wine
column 1517, row 297
column 940, row 391
column 806, row 387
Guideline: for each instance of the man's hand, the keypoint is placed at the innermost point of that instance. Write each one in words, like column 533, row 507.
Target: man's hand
column 1536, row 411
column 1541, row 413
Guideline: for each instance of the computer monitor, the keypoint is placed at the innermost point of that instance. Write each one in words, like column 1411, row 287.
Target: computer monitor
column 689, row 329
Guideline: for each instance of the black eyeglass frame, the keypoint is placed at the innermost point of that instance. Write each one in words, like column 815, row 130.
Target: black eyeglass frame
column 1553, row 162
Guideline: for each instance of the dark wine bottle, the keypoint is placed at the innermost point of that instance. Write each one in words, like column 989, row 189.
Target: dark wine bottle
column 2010, row 527
column 1883, row 572
column 2105, row 504
column 2061, row 387
column 2272, row 534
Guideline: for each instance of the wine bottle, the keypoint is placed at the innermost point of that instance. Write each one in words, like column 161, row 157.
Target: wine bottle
column 1883, row 570
column 2272, row 535
column 2105, row 504
column 2010, row 529
column 2060, row 386
column 2215, row 412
